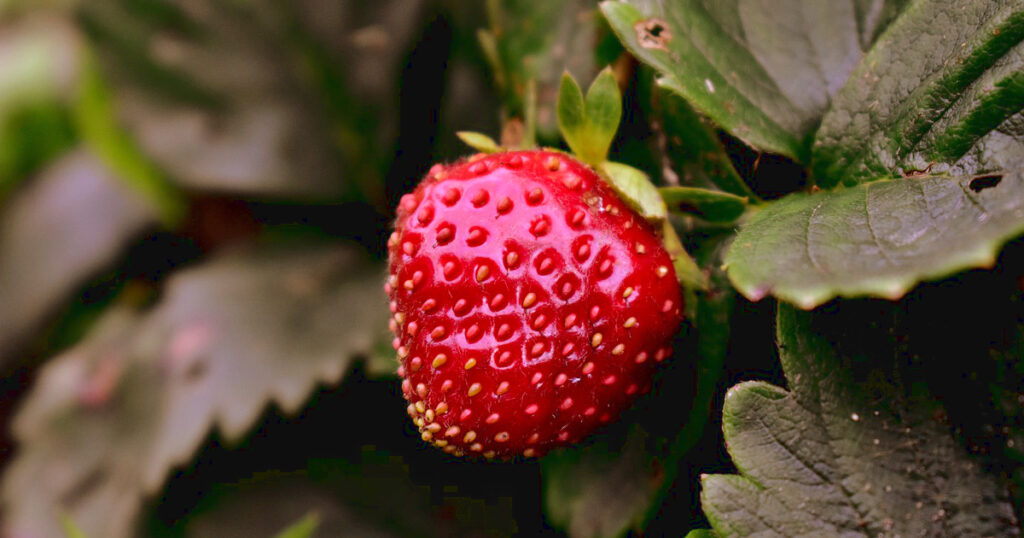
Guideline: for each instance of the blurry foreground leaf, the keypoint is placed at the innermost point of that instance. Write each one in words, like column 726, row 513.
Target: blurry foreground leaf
column 214, row 94
column 70, row 529
column 599, row 491
column 838, row 457
column 108, row 420
column 304, row 528
column 73, row 220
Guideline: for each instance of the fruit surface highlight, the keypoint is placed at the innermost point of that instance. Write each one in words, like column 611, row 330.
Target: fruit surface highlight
column 530, row 305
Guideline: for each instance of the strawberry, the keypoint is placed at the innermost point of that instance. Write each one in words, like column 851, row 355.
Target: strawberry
column 530, row 304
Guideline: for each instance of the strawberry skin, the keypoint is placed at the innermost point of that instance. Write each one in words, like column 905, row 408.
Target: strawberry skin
column 530, row 304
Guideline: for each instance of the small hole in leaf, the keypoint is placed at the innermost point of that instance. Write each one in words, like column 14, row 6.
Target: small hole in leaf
column 653, row 34
column 981, row 183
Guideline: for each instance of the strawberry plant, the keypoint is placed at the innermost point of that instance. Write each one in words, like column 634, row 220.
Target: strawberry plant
column 764, row 277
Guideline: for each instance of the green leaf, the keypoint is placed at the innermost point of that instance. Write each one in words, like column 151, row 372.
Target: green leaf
column 944, row 76
column 304, row 528
column 88, row 219
column 693, row 148
column 879, row 238
column 712, row 206
column 479, row 141
column 600, row 491
column 636, row 189
column 107, row 421
column 764, row 70
column 840, row 454
column 701, row 533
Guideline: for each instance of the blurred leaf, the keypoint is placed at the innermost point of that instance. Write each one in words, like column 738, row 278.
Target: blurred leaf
column 833, row 456
column 98, row 128
column 945, row 78
column 636, row 189
column 701, row 533
column 304, row 528
column 764, row 70
column 39, row 63
column 693, row 149
column 600, row 491
column 108, row 420
column 70, row 529
column 39, row 59
column 87, row 218
column 269, row 500
column 479, row 141
column 712, row 206
column 258, row 98
column 540, row 41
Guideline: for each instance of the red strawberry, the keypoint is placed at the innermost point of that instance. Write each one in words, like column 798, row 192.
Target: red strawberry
column 531, row 305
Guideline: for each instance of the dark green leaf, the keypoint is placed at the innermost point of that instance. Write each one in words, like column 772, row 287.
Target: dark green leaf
column 693, row 149
column 945, row 76
column 836, row 457
column 879, row 238
column 712, row 206
column 764, row 70
column 479, row 141
column 87, row 218
column 107, row 421
column 688, row 272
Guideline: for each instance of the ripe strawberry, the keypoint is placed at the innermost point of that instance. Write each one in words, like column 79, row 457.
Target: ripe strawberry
column 530, row 304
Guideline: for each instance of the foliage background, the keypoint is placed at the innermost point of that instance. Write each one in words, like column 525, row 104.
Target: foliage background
column 195, row 197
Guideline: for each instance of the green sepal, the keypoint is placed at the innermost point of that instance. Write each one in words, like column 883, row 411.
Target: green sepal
column 712, row 206
column 588, row 124
column 479, row 141
column 636, row 189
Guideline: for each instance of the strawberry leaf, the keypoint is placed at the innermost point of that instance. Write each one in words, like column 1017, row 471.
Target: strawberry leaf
column 928, row 93
column 107, row 421
column 882, row 237
column 764, row 70
column 693, row 149
column 60, row 205
column 712, row 206
column 836, row 456
column 478, row 141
